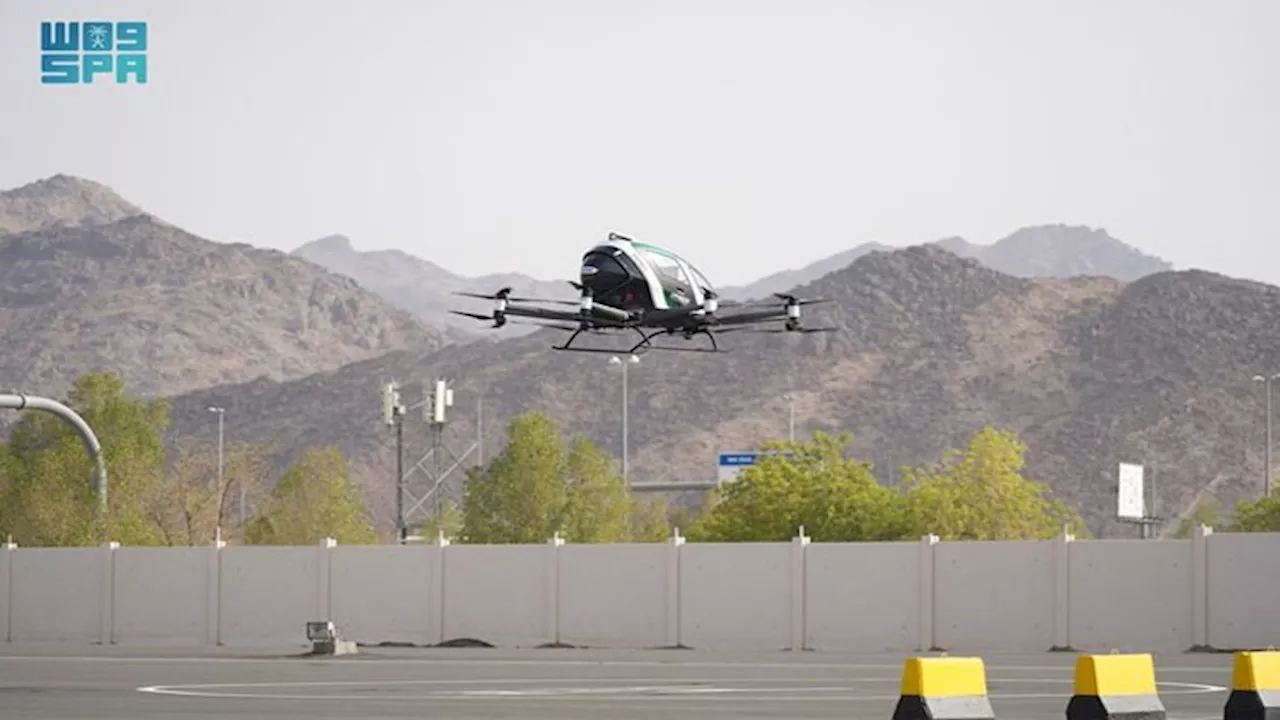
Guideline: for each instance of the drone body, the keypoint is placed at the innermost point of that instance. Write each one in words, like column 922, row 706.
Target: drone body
column 645, row 289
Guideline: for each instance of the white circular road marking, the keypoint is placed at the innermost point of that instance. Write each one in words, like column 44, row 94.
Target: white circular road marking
column 648, row 689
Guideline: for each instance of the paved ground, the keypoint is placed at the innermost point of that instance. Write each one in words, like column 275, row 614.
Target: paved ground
column 468, row 684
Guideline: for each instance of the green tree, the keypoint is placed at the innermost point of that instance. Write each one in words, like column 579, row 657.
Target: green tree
column 836, row 499
column 314, row 499
column 538, row 486
column 651, row 520
column 449, row 522
column 519, row 496
column 981, row 494
column 48, row 493
column 597, row 507
column 1261, row 515
column 190, row 507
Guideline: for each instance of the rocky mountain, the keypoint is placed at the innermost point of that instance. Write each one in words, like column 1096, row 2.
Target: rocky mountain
column 61, row 201
column 1057, row 251
column 423, row 287
column 1090, row 370
column 785, row 280
column 1060, row 251
column 90, row 283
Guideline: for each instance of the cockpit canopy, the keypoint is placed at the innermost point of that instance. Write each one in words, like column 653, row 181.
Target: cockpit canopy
column 623, row 269
column 676, row 276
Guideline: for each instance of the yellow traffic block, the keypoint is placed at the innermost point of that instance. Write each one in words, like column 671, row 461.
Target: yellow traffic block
column 1115, row 687
column 1255, row 687
column 944, row 688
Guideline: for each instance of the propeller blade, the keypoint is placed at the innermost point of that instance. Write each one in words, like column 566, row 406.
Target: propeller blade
column 522, row 321
column 793, row 300
column 549, row 301
column 774, row 331
column 477, row 316
column 504, row 294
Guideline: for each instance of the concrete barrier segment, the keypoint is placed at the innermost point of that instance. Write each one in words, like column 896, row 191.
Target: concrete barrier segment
column 1255, row 687
column 943, row 688
column 1115, row 687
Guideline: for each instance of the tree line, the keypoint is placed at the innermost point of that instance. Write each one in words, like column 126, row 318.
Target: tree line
column 541, row 484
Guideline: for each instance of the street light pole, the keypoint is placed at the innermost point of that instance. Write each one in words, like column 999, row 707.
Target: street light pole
column 1266, row 478
column 791, row 420
column 631, row 360
column 221, row 414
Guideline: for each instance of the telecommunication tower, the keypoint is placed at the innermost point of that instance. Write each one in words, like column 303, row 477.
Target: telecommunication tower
column 410, row 498
column 437, row 402
column 393, row 416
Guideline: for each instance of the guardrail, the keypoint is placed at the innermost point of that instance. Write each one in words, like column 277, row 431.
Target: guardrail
column 1209, row 591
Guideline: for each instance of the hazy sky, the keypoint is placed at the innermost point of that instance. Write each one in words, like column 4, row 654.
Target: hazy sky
column 751, row 136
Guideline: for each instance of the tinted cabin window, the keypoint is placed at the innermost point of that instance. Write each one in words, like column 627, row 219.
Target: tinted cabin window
column 676, row 286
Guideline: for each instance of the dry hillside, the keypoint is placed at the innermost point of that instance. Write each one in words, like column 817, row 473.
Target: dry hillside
column 1045, row 251
column 61, row 201
column 423, row 287
column 1091, row 371
column 170, row 311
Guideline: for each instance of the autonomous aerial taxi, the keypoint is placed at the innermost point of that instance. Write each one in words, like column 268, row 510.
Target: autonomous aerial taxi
column 630, row 286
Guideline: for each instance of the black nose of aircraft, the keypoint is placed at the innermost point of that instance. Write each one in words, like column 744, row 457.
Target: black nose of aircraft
column 602, row 273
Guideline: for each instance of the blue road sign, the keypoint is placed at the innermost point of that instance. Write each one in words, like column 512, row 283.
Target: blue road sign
column 737, row 459
column 729, row 464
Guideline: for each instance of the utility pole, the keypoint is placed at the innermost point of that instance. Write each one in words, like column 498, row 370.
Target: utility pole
column 631, row 360
column 221, row 413
column 791, row 421
column 393, row 415
column 1266, row 477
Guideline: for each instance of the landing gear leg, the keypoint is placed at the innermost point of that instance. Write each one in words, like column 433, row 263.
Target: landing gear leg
column 568, row 342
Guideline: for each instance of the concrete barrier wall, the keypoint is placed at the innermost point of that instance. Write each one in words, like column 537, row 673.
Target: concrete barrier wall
column 1243, row 588
column 617, row 595
column 737, row 596
column 160, row 596
column 502, row 594
column 267, row 594
column 1132, row 595
column 1211, row 591
column 865, row 596
column 995, row 595
column 383, row 594
column 6, row 562
column 59, row 594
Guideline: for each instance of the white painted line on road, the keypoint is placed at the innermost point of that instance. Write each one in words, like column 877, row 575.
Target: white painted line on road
column 543, row 662
column 678, row 689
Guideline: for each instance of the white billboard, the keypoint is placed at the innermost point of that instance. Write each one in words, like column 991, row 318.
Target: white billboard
column 1131, row 500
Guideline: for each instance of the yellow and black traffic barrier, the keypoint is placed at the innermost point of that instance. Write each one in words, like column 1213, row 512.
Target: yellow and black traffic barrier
column 944, row 688
column 1115, row 687
column 1255, row 687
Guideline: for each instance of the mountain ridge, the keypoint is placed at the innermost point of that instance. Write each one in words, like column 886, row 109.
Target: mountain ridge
column 1070, row 250
column 421, row 286
column 933, row 347
column 98, row 283
column 61, row 200
column 1092, row 370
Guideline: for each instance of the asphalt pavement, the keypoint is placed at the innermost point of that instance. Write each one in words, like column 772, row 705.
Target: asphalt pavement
column 119, row 683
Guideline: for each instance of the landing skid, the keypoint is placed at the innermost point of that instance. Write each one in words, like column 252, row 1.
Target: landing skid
column 644, row 345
